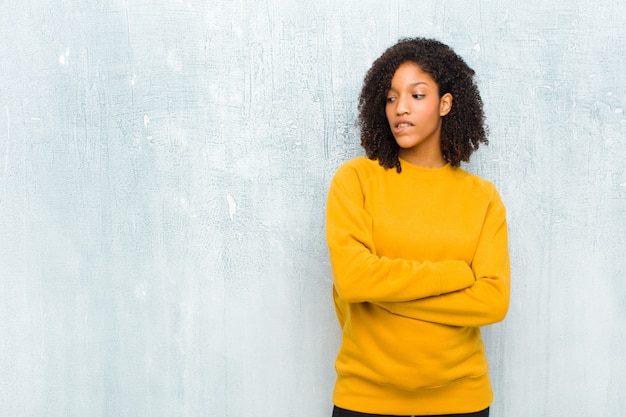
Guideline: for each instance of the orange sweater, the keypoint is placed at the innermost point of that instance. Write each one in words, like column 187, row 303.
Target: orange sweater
column 419, row 262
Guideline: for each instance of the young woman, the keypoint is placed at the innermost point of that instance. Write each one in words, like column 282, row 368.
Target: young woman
column 418, row 246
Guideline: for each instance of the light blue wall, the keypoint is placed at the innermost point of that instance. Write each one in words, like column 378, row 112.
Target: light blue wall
column 163, row 173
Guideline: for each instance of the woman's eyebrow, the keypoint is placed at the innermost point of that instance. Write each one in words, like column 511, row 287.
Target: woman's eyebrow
column 411, row 85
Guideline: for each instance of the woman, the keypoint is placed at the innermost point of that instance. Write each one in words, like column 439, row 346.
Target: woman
column 418, row 246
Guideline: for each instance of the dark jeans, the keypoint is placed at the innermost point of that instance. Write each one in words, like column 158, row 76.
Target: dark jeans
column 340, row 412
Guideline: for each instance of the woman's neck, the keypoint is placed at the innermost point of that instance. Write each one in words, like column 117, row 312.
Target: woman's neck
column 427, row 160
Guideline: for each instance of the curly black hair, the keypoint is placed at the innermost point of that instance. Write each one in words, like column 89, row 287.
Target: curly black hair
column 463, row 128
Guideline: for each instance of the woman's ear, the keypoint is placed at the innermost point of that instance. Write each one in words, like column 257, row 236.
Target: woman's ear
column 445, row 104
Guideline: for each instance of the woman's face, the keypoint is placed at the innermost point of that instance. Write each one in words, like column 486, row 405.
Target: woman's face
column 414, row 112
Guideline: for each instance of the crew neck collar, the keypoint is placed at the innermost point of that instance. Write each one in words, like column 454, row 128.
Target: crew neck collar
column 416, row 168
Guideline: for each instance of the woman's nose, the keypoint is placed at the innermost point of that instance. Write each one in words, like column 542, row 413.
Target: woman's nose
column 402, row 105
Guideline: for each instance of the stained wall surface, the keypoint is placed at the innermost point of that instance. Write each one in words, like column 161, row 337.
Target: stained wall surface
column 163, row 174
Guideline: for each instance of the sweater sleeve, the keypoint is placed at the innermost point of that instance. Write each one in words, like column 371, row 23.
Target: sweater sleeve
column 487, row 300
column 362, row 276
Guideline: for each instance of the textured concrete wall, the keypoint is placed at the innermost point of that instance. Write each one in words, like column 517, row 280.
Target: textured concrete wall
column 163, row 173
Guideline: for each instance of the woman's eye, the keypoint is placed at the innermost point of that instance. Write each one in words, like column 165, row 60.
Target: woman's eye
column 418, row 96
column 391, row 99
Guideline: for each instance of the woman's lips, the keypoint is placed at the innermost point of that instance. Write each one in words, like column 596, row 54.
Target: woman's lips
column 401, row 126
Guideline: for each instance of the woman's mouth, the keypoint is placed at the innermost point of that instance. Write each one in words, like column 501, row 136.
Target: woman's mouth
column 401, row 126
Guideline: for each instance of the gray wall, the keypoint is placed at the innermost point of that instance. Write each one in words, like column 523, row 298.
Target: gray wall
column 163, row 174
